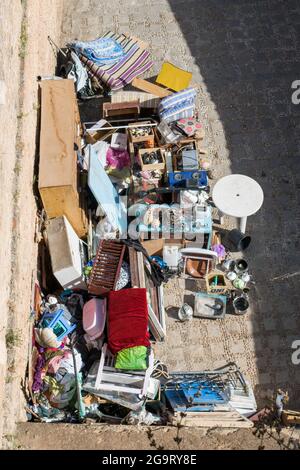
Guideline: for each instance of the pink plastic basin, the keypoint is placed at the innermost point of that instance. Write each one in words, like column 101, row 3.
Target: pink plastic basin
column 94, row 317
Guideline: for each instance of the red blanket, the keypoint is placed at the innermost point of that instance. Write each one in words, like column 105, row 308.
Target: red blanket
column 127, row 319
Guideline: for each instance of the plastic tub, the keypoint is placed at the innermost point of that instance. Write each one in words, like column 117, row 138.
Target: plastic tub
column 94, row 317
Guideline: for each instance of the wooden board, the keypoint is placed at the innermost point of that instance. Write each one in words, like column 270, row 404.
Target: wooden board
column 146, row 100
column 63, row 200
column 60, row 129
column 133, row 268
column 141, row 269
column 120, row 109
column 224, row 419
column 149, row 87
column 153, row 247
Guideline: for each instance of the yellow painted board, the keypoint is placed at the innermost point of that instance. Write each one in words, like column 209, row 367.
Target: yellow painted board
column 173, row 77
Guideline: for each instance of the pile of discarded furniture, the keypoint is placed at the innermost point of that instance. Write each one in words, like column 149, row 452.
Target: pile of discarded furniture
column 127, row 206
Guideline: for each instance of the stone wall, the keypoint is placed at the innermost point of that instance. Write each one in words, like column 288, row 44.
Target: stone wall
column 26, row 53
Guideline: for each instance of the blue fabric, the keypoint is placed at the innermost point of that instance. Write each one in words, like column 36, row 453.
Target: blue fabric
column 101, row 50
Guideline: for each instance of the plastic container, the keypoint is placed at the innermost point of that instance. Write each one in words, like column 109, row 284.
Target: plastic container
column 171, row 255
column 94, row 317
column 239, row 239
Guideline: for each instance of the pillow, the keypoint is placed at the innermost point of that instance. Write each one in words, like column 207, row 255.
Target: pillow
column 132, row 358
column 189, row 126
column 177, row 106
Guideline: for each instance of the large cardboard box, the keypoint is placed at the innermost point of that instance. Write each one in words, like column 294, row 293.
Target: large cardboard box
column 59, row 137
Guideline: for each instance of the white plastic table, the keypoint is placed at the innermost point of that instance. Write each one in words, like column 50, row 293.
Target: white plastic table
column 237, row 196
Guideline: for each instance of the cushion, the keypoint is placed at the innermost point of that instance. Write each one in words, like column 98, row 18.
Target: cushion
column 132, row 358
column 177, row 106
column 127, row 319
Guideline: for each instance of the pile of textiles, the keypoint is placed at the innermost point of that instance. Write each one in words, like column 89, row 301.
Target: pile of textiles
column 114, row 59
column 54, row 376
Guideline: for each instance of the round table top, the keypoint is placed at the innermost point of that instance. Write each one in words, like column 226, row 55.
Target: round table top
column 237, row 195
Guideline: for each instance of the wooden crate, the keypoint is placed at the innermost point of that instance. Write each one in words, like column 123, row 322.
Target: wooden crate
column 154, row 166
column 145, row 138
column 223, row 284
column 131, row 108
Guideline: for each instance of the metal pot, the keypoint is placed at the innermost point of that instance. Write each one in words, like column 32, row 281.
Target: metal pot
column 241, row 266
column 240, row 305
column 228, row 265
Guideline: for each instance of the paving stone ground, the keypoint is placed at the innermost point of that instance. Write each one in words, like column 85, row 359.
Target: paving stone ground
column 245, row 55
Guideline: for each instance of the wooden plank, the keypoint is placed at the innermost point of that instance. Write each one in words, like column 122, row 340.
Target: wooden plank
column 155, row 326
column 225, row 419
column 146, row 100
column 135, row 282
column 203, row 423
column 161, row 308
column 101, row 365
column 149, row 87
column 60, row 129
column 141, row 270
column 63, row 200
column 118, row 109
column 153, row 247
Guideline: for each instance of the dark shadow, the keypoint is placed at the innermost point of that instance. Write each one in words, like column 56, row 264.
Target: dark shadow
column 172, row 312
column 246, row 56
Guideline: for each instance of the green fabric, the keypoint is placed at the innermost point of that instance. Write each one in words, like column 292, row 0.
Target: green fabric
column 132, row 358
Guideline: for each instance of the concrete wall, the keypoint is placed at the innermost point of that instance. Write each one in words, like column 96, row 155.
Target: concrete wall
column 25, row 53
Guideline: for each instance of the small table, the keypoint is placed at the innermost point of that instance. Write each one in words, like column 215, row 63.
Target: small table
column 238, row 196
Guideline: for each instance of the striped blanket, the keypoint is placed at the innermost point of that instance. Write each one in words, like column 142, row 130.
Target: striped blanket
column 177, row 106
column 135, row 61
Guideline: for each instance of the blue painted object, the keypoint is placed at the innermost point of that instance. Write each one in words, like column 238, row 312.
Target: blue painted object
column 188, row 179
column 59, row 322
column 195, row 396
column 159, row 261
column 106, row 194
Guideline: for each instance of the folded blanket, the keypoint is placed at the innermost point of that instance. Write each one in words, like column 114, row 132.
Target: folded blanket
column 101, row 50
column 127, row 319
column 177, row 106
column 135, row 61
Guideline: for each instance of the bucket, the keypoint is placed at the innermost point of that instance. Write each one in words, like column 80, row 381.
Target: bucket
column 240, row 305
column 239, row 239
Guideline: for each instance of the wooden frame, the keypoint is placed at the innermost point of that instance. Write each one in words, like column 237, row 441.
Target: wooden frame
column 114, row 379
column 139, row 278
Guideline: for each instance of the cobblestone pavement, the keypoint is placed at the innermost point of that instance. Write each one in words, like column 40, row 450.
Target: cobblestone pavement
column 244, row 55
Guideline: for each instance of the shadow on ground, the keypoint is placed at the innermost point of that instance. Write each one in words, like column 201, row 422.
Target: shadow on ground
column 248, row 55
